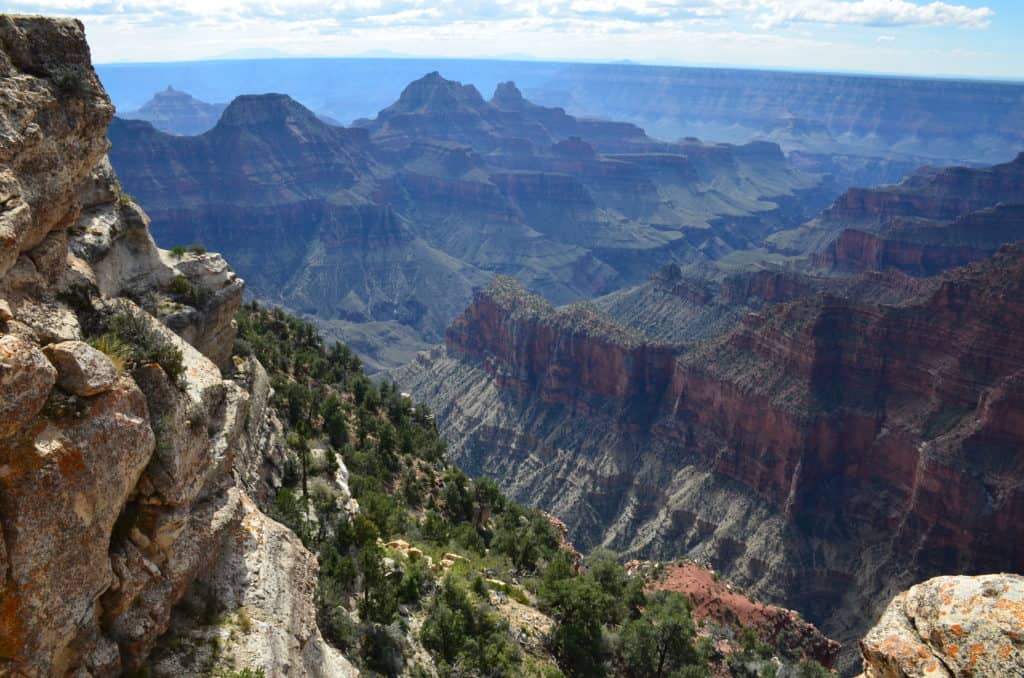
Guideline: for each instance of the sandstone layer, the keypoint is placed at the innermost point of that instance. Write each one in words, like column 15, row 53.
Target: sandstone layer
column 934, row 220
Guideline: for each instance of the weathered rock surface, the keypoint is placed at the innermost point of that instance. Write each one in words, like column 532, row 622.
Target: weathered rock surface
column 119, row 491
column 25, row 380
column 54, row 114
column 950, row 627
column 81, row 369
column 264, row 582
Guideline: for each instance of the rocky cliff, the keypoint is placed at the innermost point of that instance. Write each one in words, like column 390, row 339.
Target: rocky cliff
column 381, row 231
column 836, row 440
column 933, row 220
column 132, row 459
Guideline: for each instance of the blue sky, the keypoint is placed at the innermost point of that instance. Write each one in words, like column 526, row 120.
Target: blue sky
column 921, row 37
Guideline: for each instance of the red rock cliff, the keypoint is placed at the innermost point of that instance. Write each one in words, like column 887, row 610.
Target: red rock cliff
column 573, row 356
column 819, row 406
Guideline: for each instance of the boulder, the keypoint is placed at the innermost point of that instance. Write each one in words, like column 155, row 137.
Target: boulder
column 81, row 369
column 26, row 378
column 950, row 627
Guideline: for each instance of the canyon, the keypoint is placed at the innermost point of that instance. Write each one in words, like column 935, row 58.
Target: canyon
column 380, row 231
column 823, row 437
column 826, row 412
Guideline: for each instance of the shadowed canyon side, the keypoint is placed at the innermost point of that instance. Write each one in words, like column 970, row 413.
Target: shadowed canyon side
column 380, row 231
column 131, row 467
column 823, row 451
column 935, row 219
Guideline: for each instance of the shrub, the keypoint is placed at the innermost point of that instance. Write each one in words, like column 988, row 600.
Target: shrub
column 189, row 293
column 71, row 81
column 417, row 580
column 382, row 649
column 242, row 673
column 130, row 336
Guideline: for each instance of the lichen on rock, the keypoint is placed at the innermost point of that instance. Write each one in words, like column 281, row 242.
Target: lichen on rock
column 950, row 627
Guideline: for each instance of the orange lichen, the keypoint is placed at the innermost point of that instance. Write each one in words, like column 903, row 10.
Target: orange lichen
column 952, row 650
column 12, row 633
column 977, row 651
column 957, row 630
column 71, row 462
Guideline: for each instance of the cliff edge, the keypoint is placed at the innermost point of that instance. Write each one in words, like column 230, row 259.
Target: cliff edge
column 131, row 465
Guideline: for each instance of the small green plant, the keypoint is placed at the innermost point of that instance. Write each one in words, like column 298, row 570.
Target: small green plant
column 141, row 343
column 126, row 198
column 118, row 352
column 177, row 251
column 59, row 405
column 196, row 248
column 71, row 81
column 189, row 293
column 244, row 621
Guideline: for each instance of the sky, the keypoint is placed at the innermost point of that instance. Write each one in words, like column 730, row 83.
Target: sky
column 978, row 39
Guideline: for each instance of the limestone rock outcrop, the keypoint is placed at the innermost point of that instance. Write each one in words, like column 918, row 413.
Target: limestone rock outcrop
column 81, row 369
column 126, row 453
column 950, row 627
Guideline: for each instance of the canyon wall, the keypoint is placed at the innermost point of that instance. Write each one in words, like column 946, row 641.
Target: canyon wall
column 936, row 219
column 824, row 451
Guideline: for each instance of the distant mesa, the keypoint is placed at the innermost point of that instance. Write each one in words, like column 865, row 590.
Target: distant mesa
column 177, row 112
column 181, row 114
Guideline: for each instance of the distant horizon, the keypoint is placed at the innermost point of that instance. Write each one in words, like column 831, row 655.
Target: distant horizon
column 1009, row 80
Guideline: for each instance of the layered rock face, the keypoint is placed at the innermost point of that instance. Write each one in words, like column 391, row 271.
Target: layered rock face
column 837, row 439
column 934, row 220
column 947, row 120
column 380, row 232
column 950, row 627
column 126, row 455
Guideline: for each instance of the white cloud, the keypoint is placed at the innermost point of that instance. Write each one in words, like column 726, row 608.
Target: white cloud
column 764, row 13
column 874, row 13
column 885, row 38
